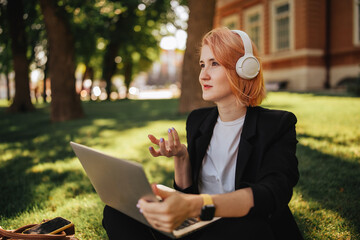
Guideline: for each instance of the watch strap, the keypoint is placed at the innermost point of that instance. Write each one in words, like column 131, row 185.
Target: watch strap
column 207, row 199
column 208, row 208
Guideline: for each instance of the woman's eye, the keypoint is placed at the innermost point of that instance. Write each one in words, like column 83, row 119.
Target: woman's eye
column 215, row 64
column 202, row 65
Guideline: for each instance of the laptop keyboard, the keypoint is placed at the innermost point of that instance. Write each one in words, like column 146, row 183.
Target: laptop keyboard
column 187, row 222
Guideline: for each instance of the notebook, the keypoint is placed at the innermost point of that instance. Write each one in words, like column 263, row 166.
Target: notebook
column 121, row 183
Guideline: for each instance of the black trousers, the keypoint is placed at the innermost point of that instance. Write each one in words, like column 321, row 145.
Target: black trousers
column 119, row 226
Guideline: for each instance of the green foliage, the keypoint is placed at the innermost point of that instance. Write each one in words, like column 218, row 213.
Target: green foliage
column 91, row 22
column 35, row 36
column 132, row 32
column 41, row 177
column 90, row 25
column 35, row 30
column 5, row 48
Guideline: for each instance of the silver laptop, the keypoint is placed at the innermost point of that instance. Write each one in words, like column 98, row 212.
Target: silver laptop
column 121, row 183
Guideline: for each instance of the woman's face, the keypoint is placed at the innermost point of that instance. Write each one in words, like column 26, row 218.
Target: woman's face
column 214, row 82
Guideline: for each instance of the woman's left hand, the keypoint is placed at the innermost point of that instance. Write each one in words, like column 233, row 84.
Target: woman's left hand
column 172, row 211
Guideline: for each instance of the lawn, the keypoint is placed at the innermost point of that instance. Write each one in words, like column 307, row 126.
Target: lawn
column 41, row 178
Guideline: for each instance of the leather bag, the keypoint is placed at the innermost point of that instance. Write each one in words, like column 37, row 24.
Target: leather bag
column 17, row 234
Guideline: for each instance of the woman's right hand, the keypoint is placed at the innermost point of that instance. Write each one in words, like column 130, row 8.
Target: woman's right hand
column 170, row 148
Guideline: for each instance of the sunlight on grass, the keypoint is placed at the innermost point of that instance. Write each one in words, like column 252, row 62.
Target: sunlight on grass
column 128, row 143
column 104, row 122
column 347, row 151
column 42, row 178
column 59, row 166
column 328, row 124
column 6, row 156
column 320, row 223
column 133, row 144
column 4, row 103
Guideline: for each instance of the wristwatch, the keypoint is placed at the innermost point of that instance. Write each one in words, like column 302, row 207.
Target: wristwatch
column 208, row 208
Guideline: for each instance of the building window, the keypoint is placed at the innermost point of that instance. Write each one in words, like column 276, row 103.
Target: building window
column 254, row 28
column 282, row 25
column 254, row 25
column 231, row 22
column 357, row 22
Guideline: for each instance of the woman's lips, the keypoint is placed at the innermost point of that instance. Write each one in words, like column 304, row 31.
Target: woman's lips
column 206, row 87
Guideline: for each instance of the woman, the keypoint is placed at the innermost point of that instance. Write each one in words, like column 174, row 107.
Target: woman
column 240, row 157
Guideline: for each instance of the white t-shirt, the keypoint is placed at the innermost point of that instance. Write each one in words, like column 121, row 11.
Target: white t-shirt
column 218, row 167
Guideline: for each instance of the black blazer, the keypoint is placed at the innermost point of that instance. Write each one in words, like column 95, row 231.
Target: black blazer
column 266, row 162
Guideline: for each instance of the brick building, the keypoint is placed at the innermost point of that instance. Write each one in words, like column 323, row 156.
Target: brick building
column 306, row 44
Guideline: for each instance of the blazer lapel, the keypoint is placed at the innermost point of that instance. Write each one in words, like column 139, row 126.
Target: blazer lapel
column 245, row 147
column 203, row 140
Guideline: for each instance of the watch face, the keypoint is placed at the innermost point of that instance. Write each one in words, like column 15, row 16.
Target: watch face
column 207, row 212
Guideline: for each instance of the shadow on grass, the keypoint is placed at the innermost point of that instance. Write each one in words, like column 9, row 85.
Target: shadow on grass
column 22, row 190
column 330, row 183
column 29, row 140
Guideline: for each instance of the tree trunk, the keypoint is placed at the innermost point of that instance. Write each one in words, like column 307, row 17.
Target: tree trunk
column 7, row 84
column 65, row 103
column 46, row 70
column 22, row 100
column 128, row 65
column 200, row 22
column 109, row 66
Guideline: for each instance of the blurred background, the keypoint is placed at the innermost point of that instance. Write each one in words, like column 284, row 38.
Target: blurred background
column 108, row 50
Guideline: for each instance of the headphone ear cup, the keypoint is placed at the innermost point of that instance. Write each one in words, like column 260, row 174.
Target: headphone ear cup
column 247, row 67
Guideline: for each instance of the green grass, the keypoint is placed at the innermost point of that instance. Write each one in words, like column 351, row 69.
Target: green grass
column 326, row 199
column 41, row 178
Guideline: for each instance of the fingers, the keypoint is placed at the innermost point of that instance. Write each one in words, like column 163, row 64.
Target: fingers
column 155, row 189
column 156, row 141
column 174, row 144
column 162, row 190
column 158, row 214
column 153, row 152
column 153, row 139
column 163, row 150
column 169, row 148
column 171, row 139
column 159, row 223
column 176, row 137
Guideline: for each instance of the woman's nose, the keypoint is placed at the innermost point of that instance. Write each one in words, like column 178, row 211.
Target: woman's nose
column 204, row 75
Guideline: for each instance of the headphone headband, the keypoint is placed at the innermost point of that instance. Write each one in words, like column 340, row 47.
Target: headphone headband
column 246, row 41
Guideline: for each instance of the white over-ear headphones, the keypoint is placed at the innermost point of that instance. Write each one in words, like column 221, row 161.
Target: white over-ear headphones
column 247, row 67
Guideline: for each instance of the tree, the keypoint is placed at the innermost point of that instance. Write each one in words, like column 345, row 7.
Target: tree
column 5, row 50
column 34, row 30
column 200, row 22
column 131, row 37
column 65, row 103
column 37, row 42
column 22, row 100
column 88, row 26
column 5, row 68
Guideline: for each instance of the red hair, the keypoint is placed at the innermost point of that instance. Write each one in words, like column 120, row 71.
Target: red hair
column 227, row 48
